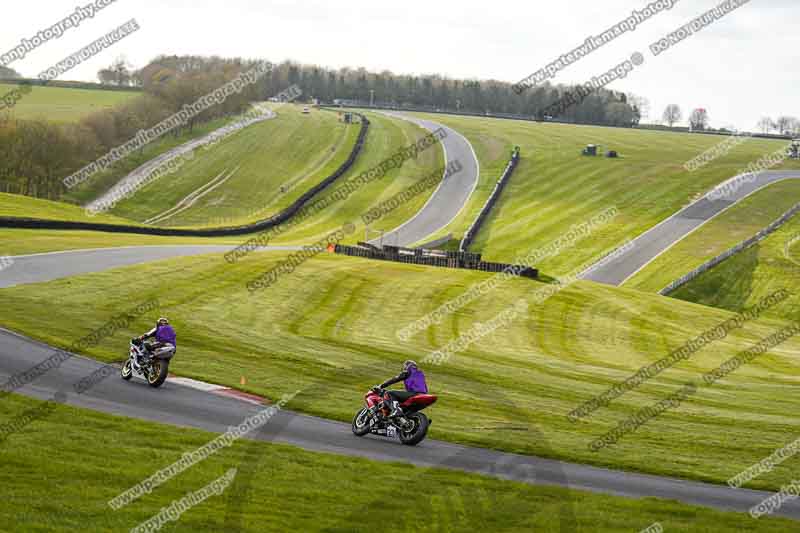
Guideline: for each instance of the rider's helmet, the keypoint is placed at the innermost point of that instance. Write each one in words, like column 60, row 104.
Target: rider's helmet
column 409, row 364
column 163, row 321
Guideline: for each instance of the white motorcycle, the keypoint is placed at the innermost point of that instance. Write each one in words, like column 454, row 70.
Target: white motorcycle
column 153, row 367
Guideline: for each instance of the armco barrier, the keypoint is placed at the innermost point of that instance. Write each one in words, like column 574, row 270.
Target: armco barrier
column 784, row 218
column 283, row 216
column 473, row 230
column 436, row 258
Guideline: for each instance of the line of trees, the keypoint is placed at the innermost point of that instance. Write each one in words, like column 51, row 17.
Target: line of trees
column 438, row 92
column 783, row 125
column 698, row 118
column 36, row 155
column 8, row 73
column 434, row 91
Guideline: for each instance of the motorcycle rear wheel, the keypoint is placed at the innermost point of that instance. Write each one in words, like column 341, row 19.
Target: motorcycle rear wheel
column 126, row 372
column 158, row 373
column 361, row 423
column 418, row 431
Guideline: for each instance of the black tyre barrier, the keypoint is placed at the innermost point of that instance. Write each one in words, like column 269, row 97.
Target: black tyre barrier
column 436, row 258
column 280, row 218
column 473, row 230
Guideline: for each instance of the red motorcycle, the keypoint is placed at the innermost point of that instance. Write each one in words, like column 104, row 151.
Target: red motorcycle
column 411, row 425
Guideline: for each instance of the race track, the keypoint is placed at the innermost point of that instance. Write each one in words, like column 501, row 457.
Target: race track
column 448, row 199
column 188, row 407
column 37, row 268
column 654, row 242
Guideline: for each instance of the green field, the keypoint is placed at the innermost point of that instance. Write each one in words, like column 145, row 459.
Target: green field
column 293, row 150
column 58, row 104
column 555, row 187
column 19, row 206
column 23, row 242
column 335, row 313
column 95, row 457
column 743, row 278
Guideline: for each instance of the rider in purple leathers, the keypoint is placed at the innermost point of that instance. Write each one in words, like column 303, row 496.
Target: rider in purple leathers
column 414, row 380
column 164, row 335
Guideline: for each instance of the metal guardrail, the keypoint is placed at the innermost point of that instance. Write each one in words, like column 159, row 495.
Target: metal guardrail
column 708, row 265
column 473, row 230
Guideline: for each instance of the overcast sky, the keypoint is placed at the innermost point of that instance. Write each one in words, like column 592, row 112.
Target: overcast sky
column 741, row 68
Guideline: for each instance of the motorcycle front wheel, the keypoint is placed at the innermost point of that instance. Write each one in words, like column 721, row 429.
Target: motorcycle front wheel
column 126, row 372
column 361, row 423
column 158, row 373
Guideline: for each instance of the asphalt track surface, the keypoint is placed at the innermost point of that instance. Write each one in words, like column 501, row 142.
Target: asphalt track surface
column 188, row 407
column 654, row 242
column 448, row 199
column 37, row 268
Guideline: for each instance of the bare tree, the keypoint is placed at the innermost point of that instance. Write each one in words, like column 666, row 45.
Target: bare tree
column 7, row 73
column 794, row 127
column 698, row 120
column 672, row 114
column 106, row 76
column 641, row 103
column 119, row 73
column 766, row 125
column 784, row 124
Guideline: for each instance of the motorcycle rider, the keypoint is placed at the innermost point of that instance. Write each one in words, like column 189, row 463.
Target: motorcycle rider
column 164, row 335
column 414, row 380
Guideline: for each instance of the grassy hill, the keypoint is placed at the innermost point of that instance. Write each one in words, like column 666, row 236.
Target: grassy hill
column 555, row 187
column 59, row 104
column 15, row 205
column 292, row 151
column 741, row 279
column 100, row 182
column 336, row 313
column 386, row 137
column 733, row 226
